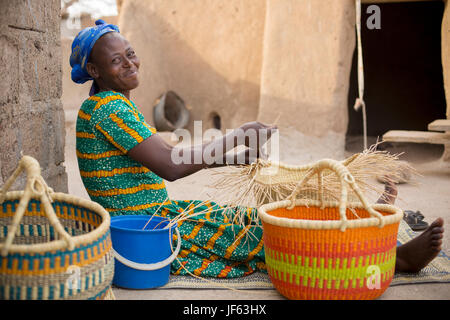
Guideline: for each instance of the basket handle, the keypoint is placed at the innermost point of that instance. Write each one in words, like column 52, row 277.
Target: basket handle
column 345, row 178
column 35, row 187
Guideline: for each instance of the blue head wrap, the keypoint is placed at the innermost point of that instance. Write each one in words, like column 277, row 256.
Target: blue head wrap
column 82, row 46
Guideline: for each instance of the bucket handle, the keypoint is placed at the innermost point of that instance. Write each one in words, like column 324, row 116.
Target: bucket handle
column 345, row 177
column 150, row 266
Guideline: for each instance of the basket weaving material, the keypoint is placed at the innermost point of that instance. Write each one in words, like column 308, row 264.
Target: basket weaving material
column 266, row 181
column 318, row 249
column 53, row 245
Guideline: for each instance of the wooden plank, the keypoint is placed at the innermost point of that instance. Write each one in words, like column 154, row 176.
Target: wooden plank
column 416, row 136
column 440, row 125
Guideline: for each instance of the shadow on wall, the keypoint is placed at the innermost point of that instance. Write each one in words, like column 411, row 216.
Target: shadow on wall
column 169, row 63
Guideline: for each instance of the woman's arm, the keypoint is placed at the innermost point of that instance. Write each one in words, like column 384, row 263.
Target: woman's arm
column 172, row 163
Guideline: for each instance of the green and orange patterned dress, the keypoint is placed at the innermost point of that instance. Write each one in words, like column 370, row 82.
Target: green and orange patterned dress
column 108, row 126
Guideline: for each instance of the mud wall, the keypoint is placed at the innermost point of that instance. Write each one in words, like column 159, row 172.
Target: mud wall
column 209, row 54
column 308, row 47
column 250, row 60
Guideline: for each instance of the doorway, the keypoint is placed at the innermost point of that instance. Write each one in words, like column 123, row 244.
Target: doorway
column 404, row 87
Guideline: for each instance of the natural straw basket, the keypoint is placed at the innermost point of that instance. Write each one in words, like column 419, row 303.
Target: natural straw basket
column 53, row 245
column 317, row 249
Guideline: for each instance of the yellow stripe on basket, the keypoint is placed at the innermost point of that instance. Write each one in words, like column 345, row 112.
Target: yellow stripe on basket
column 110, row 139
column 125, row 128
column 86, row 135
column 110, row 173
column 115, row 192
column 84, row 115
column 339, row 272
column 96, row 156
column 57, row 268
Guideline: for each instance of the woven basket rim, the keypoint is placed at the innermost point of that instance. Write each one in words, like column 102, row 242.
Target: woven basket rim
column 396, row 214
column 61, row 244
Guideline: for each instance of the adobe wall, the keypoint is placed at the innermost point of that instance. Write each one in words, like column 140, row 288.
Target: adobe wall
column 268, row 60
column 250, row 60
column 210, row 55
column 32, row 117
column 308, row 49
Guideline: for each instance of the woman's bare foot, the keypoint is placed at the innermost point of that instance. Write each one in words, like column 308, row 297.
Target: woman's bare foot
column 417, row 253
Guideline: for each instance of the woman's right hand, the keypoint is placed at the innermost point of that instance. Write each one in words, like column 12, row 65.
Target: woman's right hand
column 254, row 134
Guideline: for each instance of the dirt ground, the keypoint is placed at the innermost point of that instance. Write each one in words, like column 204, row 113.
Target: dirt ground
column 431, row 196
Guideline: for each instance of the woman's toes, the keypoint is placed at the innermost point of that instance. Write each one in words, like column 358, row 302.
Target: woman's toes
column 439, row 222
column 438, row 230
column 436, row 243
column 437, row 236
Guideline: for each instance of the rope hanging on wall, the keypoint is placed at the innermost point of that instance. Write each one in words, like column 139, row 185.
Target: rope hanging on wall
column 360, row 100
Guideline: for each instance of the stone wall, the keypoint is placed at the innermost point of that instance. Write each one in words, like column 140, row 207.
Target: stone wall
column 32, row 117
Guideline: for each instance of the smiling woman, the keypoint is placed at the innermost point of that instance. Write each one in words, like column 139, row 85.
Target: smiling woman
column 113, row 65
column 123, row 161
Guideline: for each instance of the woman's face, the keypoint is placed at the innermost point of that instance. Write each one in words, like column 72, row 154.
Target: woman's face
column 113, row 63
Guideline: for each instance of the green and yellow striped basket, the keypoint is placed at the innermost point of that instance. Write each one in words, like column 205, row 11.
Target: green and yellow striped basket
column 322, row 250
column 52, row 245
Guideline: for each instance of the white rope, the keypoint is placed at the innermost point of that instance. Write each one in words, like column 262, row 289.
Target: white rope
column 360, row 100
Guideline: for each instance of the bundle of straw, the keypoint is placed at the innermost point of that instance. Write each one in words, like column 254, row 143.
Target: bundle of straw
column 243, row 186
column 266, row 181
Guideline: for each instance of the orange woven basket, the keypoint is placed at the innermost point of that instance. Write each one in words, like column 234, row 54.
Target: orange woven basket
column 318, row 249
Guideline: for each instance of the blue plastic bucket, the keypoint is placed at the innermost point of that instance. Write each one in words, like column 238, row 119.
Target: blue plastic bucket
column 142, row 257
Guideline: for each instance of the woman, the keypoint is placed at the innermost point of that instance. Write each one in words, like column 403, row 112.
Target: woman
column 123, row 163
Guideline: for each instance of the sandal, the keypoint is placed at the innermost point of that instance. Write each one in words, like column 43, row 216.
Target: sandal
column 415, row 220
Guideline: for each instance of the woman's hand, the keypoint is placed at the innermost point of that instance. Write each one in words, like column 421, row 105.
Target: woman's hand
column 254, row 135
column 155, row 154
